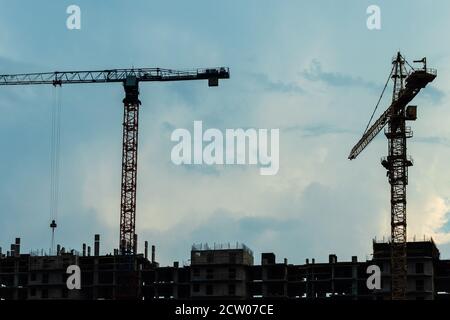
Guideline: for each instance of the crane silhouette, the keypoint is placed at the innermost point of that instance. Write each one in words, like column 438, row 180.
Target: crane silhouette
column 130, row 78
column 406, row 86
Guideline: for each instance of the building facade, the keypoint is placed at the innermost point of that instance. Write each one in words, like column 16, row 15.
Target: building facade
column 217, row 272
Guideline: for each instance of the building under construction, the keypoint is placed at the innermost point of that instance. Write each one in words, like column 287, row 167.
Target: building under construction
column 216, row 272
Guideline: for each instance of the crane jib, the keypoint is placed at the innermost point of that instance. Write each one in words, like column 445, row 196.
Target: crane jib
column 417, row 80
column 114, row 75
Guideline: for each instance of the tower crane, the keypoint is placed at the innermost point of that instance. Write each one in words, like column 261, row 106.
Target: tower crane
column 406, row 86
column 130, row 78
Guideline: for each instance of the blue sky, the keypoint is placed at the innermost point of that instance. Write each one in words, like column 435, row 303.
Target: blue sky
column 310, row 68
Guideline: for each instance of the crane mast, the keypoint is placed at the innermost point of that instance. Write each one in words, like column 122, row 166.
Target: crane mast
column 130, row 78
column 131, row 103
column 397, row 163
column 406, row 87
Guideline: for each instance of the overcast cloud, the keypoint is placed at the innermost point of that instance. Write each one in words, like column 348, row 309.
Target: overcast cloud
column 310, row 68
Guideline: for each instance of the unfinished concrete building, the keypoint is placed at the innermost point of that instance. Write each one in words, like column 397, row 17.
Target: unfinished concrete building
column 220, row 271
column 216, row 272
column 37, row 276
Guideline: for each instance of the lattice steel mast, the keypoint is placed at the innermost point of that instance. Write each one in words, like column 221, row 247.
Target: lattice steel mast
column 397, row 163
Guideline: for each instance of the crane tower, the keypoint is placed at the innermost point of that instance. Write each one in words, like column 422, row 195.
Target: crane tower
column 130, row 78
column 406, row 85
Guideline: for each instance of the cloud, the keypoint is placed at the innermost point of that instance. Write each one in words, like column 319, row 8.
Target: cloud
column 13, row 66
column 336, row 79
column 315, row 72
column 434, row 94
column 434, row 140
column 314, row 221
column 318, row 203
column 276, row 86
column 436, row 214
column 317, row 130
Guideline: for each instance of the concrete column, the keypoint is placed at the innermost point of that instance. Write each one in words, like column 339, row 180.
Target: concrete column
column 135, row 237
column 17, row 247
column 97, row 245
column 146, row 249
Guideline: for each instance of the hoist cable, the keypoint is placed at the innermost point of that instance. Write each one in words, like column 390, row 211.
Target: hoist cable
column 379, row 100
column 55, row 146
